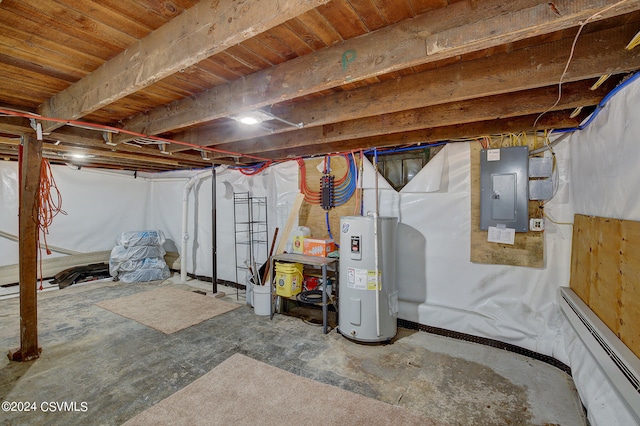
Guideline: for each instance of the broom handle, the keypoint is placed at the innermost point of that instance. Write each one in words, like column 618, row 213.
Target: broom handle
column 273, row 244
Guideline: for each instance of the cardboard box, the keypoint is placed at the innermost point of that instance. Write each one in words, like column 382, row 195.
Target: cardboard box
column 318, row 247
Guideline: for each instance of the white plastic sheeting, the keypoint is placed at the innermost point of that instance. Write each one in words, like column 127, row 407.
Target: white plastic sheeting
column 278, row 183
column 437, row 283
column 604, row 406
column 101, row 205
column 605, row 155
column 8, row 211
column 604, row 178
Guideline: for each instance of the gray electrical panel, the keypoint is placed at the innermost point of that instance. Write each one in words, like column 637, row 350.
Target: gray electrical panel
column 504, row 190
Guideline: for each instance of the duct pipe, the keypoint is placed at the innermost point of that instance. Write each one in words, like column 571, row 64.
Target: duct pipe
column 185, row 222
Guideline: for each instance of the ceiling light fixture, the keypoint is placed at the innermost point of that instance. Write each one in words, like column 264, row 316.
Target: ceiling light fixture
column 249, row 120
column 77, row 155
column 258, row 116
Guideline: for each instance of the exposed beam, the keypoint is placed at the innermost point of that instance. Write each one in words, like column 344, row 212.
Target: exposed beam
column 470, row 28
column 205, row 29
column 596, row 54
column 80, row 138
column 28, row 248
column 553, row 120
column 479, row 109
column 540, row 18
column 10, row 141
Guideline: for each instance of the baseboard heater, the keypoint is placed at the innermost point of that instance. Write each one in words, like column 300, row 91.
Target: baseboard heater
column 619, row 364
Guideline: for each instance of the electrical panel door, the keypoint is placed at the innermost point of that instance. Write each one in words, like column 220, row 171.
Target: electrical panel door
column 504, row 188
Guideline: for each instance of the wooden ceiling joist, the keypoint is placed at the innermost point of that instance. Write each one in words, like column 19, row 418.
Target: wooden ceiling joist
column 500, row 74
column 552, row 120
column 353, row 73
column 389, row 49
column 474, row 110
column 201, row 31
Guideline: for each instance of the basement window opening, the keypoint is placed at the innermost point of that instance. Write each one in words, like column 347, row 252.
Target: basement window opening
column 400, row 167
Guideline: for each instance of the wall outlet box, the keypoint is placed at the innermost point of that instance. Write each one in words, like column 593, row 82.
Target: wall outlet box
column 536, row 224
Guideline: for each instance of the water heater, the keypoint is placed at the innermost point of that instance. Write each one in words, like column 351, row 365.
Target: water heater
column 368, row 303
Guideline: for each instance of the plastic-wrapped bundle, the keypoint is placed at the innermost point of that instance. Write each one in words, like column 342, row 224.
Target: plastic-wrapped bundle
column 139, row 256
column 120, row 254
column 145, row 274
column 141, row 238
column 132, row 265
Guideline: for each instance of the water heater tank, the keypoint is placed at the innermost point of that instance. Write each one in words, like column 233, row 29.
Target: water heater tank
column 368, row 304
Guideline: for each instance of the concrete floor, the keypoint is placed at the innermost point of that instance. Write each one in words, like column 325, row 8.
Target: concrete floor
column 119, row 368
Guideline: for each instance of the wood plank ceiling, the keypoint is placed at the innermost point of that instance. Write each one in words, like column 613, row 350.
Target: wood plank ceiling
column 154, row 85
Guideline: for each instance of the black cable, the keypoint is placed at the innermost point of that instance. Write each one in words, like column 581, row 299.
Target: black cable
column 310, row 296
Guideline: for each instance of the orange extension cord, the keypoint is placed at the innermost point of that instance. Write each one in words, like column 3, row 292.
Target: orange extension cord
column 49, row 206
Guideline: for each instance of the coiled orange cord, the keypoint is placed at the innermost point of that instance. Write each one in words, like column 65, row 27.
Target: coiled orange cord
column 49, row 206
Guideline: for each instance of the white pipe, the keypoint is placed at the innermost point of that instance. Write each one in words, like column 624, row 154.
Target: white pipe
column 185, row 222
column 111, row 173
column 149, row 177
column 375, row 249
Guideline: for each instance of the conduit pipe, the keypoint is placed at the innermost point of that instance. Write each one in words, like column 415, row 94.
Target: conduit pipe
column 376, row 246
column 214, row 233
column 185, row 221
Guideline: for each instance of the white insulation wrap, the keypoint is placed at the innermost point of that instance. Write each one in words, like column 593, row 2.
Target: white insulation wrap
column 439, row 286
column 605, row 178
column 8, row 212
column 278, row 183
column 99, row 206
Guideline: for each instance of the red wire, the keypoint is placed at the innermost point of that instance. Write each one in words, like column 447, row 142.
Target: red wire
column 128, row 132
